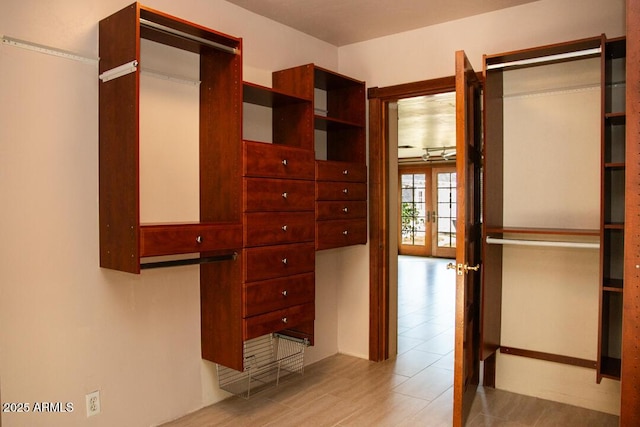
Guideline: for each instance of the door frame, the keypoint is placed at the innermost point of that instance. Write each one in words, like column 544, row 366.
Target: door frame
column 379, row 188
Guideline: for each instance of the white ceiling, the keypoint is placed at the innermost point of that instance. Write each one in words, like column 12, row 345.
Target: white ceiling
column 342, row 22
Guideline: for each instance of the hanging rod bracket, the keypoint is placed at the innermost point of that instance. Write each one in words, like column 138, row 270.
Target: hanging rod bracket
column 119, row 71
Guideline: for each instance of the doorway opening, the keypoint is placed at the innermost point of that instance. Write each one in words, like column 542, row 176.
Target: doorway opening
column 423, row 143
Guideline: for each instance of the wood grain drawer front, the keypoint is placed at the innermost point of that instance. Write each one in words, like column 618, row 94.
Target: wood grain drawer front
column 334, row 234
column 278, row 320
column 277, row 161
column 275, row 228
column 341, row 210
column 156, row 240
column 274, row 195
column 276, row 294
column 340, row 171
column 341, row 191
column 270, row 262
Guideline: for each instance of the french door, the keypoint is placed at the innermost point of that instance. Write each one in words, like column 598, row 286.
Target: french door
column 427, row 211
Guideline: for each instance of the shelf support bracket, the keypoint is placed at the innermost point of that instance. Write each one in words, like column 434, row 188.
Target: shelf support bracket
column 119, row 71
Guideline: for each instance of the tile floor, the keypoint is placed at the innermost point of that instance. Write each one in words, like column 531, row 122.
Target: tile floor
column 415, row 389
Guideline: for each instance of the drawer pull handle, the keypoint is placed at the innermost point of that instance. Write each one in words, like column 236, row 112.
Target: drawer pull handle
column 345, row 191
column 345, row 210
column 285, row 261
column 284, row 228
column 284, row 293
column 284, row 320
column 285, row 195
column 285, row 162
column 345, row 172
column 345, row 232
column 199, row 239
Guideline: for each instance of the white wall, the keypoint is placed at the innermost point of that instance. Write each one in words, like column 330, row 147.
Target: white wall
column 68, row 327
column 429, row 53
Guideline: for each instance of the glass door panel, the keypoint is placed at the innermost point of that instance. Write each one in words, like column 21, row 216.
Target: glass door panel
column 446, row 210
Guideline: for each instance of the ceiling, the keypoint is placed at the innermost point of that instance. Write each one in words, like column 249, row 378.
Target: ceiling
column 422, row 121
column 426, row 122
column 342, row 22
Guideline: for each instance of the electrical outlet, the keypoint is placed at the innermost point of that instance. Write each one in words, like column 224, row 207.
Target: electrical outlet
column 93, row 403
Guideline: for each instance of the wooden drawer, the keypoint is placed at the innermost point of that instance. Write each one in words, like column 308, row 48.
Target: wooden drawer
column 277, row 161
column 341, row 191
column 274, row 228
column 276, row 294
column 334, row 234
column 275, row 321
column 272, row 195
column 340, row 171
column 270, row 262
column 341, row 210
column 156, row 240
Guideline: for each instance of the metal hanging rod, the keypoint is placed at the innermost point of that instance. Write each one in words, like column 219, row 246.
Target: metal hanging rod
column 547, row 243
column 548, row 58
column 169, row 77
column 178, row 33
column 189, row 261
column 10, row 41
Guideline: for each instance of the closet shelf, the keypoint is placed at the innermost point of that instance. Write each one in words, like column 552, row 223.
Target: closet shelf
column 268, row 97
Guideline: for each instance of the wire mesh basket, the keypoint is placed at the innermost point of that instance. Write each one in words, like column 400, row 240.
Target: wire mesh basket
column 267, row 359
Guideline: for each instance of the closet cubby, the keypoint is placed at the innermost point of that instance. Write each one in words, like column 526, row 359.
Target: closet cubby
column 612, row 227
column 125, row 241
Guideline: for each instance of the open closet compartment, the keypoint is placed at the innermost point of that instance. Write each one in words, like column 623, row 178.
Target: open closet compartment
column 542, row 210
column 137, row 224
column 267, row 360
column 612, row 226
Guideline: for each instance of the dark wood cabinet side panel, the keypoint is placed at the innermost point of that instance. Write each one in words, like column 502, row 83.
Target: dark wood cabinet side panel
column 118, row 173
column 119, row 38
column 220, row 136
column 221, row 313
column 297, row 81
column 630, row 374
column 493, row 150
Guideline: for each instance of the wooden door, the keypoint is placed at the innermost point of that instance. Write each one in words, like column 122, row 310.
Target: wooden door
column 468, row 235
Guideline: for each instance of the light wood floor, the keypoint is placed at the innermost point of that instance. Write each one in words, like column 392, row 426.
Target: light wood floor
column 414, row 389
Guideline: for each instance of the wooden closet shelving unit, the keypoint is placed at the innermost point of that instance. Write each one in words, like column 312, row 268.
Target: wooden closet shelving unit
column 124, row 241
column 493, row 202
column 341, row 171
column 612, row 214
column 265, row 207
